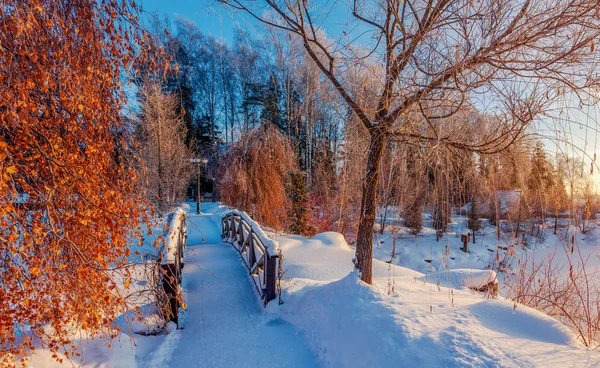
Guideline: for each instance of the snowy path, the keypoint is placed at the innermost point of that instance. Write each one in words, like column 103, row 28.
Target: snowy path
column 224, row 325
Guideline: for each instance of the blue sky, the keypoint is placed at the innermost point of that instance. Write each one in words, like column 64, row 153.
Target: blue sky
column 220, row 21
column 212, row 17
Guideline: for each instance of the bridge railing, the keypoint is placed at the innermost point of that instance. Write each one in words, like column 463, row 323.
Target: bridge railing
column 175, row 236
column 249, row 240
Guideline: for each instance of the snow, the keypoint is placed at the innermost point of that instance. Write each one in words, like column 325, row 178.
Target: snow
column 96, row 353
column 416, row 313
column 468, row 278
column 171, row 235
column 410, row 318
column 522, row 322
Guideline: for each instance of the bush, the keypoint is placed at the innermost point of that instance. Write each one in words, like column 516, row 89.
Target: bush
column 573, row 299
column 254, row 175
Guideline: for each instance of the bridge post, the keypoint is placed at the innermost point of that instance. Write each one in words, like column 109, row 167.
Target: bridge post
column 171, row 263
column 271, row 275
column 240, row 233
column 170, row 283
column 251, row 255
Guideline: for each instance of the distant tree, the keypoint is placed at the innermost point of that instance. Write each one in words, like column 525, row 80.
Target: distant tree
column 474, row 221
column 412, row 215
column 440, row 179
column 299, row 210
column 441, row 215
column 161, row 132
column 560, row 188
column 206, row 134
column 540, row 180
column 181, row 83
column 323, row 190
column 590, row 206
column 271, row 102
column 560, row 198
column 413, row 192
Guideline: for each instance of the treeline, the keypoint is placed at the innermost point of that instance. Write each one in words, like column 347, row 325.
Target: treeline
column 282, row 145
column 523, row 184
column 255, row 102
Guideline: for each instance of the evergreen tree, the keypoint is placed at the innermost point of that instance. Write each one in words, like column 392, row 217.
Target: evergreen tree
column 298, row 213
column 540, row 177
column 474, row 221
column 271, row 101
column 206, row 134
column 540, row 181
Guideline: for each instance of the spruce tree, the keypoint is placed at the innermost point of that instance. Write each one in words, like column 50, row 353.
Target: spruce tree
column 474, row 222
column 298, row 194
column 271, row 101
column 540, row 180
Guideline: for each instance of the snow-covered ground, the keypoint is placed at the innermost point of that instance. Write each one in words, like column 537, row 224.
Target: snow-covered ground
column 487, row 252
column 404, row 320
column 416, row 313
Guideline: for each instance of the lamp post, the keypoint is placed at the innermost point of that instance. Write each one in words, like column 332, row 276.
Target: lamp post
column 198, row 161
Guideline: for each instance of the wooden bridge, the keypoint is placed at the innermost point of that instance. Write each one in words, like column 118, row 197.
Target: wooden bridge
column 237, row 229
column 223, row 312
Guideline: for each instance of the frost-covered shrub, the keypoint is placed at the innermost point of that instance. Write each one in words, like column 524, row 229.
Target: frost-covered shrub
column 567, row 290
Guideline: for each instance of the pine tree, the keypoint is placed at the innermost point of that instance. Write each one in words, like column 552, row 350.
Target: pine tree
column 474, row 222
column 298, row 213
column 206, row 133
column 540, row 180
column 271, row 101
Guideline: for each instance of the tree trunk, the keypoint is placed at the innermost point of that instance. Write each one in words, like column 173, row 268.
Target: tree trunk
column 364, row 246
column 384, row 212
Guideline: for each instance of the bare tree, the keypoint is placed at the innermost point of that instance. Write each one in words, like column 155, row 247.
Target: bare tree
column 433, row 58
column 161, row 130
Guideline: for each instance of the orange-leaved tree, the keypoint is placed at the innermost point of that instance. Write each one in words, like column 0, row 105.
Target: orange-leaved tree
column 68, row 185
column 254, row 174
